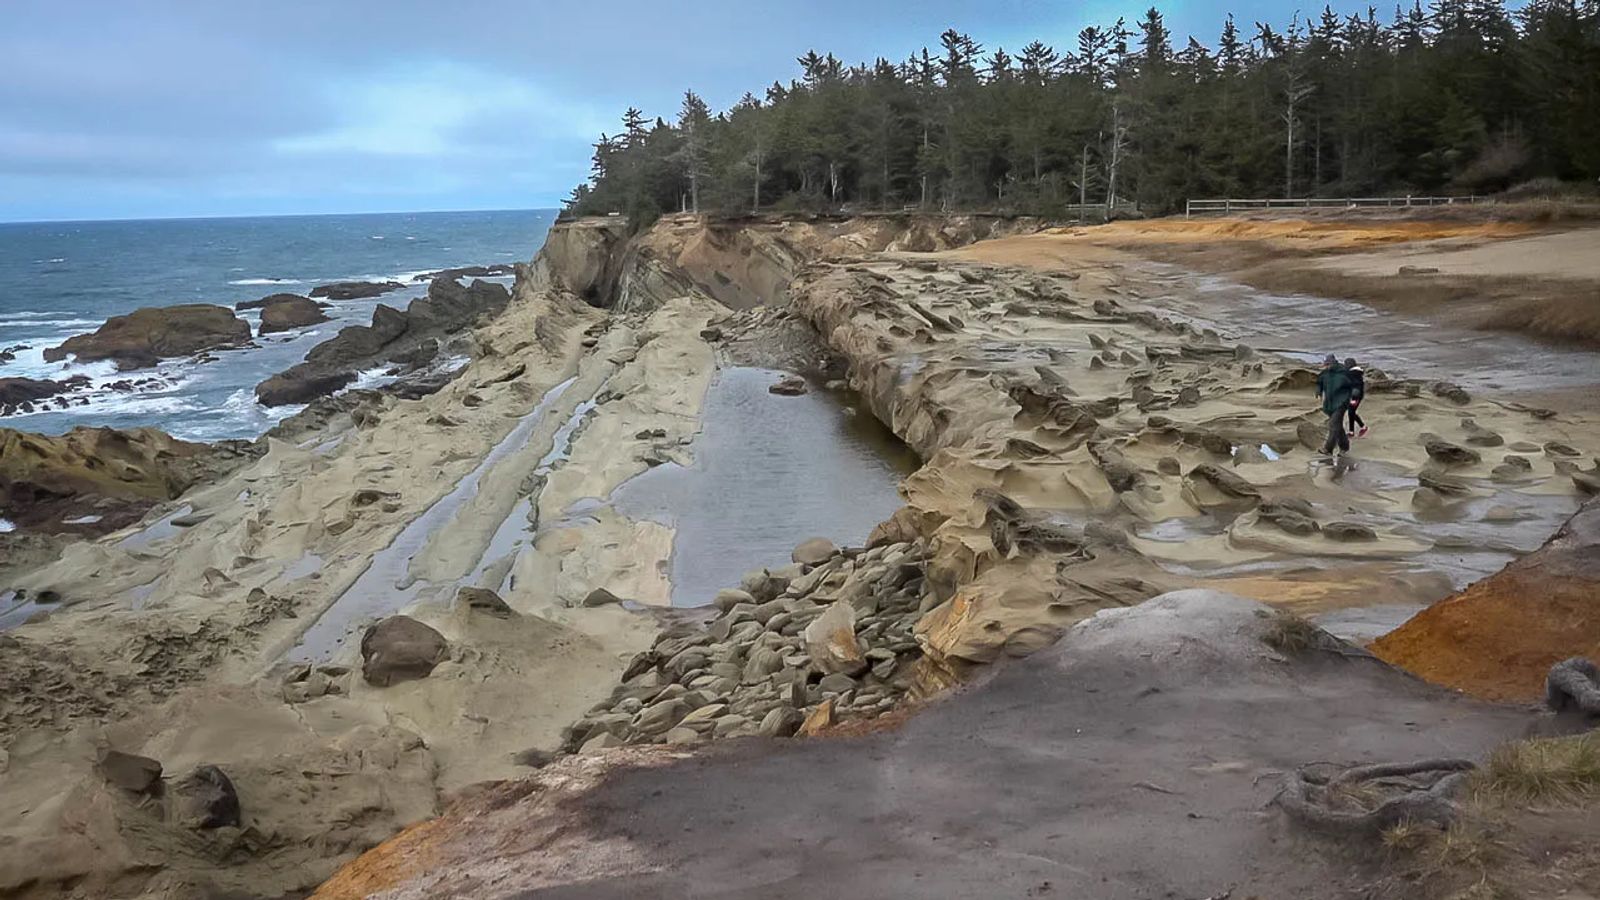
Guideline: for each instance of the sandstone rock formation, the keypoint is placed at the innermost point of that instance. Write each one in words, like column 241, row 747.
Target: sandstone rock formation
column 739, row 262
column 144, row 336
column 115, row 475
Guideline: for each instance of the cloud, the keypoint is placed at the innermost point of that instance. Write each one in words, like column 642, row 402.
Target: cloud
column 440, row 109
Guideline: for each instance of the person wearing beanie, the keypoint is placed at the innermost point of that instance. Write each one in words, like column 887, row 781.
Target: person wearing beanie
column 1334, row 387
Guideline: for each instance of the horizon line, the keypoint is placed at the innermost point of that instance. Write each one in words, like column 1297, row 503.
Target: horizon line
column 201, row 218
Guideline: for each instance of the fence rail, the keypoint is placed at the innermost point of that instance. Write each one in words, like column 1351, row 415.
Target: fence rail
column 1225, row 206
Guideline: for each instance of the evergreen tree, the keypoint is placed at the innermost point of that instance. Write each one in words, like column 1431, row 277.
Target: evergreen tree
column 1452, row 95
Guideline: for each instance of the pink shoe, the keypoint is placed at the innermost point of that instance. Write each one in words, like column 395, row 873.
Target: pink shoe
column 1362, row 432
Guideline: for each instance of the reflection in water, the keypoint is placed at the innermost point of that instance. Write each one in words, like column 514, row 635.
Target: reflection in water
column 159, row 530
column 769, row 472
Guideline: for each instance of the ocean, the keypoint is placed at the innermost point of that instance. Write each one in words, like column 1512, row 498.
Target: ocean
column 58, row 279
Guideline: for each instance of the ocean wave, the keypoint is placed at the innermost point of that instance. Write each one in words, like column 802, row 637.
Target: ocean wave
column 251, row 281
column 26, row 314
column 47, row 323
column 241, row 406
column 6, row 525
column 367, row 379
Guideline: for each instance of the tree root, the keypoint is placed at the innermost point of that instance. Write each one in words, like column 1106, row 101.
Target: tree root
column 1329, row 803
column 1573, row 685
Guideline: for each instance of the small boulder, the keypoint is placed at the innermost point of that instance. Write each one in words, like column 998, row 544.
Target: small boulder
column 1451, row 454
column 662, row 715
column 605, row 740
column 831, row 641
column 727, row 598
column 206, row 798
column 814, row 552
column 1348, row 531
column 837, row 683
column 789, row 386
column 599, row 597
column 483, row 600
column 129, row 771
column 780, row 721
column 818, row 719
column 400, row 648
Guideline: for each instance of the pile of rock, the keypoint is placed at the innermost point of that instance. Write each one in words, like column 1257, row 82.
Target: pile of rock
column 794, row 649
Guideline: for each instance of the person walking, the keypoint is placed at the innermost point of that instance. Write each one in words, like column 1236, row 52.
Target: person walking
column 1334, row 387
column 1358, row 392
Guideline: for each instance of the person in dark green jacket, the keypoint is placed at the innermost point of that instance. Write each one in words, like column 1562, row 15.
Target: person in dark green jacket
column 1335, row 387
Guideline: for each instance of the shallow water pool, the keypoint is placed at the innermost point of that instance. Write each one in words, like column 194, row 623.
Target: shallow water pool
column 769, row 472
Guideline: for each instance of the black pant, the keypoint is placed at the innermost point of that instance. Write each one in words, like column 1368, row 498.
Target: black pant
column 1355, row 420
column 1336, row 435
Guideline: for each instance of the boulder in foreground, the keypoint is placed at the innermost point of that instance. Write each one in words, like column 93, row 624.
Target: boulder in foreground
column 400, row 648
column 145, row 336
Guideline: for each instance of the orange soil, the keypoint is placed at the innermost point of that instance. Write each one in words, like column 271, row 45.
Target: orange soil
column 1299, row 233
column 1499, row 637
column 385, row 866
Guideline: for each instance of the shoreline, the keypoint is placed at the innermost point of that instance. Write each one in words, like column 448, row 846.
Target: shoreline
column 1044, row 404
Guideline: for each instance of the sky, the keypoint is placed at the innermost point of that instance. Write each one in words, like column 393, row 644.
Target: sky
column 166, row 108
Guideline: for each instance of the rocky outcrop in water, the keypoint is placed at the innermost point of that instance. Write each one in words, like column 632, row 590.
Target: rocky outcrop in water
column 269, row 299
column 24, row 395
column 393, row 336
column 145, row 336
column 497, row 270
column 103, row 474
column 287, row 312
column 355, row 290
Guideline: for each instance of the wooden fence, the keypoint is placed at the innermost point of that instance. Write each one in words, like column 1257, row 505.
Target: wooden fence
column 1226, row 206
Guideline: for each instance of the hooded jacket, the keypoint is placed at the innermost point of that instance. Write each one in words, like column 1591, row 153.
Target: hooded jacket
column 1335, row 388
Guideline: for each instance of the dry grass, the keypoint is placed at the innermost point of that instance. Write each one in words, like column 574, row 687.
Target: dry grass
column 1525, row 829
column 1543, row 770
column 1289, row 634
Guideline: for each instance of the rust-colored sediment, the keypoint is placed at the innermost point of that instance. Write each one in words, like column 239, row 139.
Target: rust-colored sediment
column 387, row 865
column 1498, row 638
